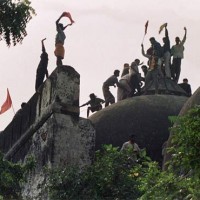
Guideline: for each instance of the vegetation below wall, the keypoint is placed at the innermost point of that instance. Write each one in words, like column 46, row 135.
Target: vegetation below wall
column 117, row 175
column 12, row 176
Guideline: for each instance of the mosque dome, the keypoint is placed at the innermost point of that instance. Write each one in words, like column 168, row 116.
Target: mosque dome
column 145, row 116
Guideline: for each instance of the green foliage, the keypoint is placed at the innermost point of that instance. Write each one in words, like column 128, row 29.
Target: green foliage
column 186, row 142
column 181, row 180
column 157, row 184
column 117, row 175
column 113, row 175
column 11, row 177
column 14, row 16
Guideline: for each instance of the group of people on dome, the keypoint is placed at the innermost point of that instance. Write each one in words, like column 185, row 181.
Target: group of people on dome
column 164, row 62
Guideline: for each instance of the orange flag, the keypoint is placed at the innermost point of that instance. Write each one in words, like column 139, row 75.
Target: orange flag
column 161, row 27
column 7, row 104
column 146, row 26
column 67, row 14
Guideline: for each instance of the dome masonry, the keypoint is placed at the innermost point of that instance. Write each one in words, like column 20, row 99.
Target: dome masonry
column 145, row 116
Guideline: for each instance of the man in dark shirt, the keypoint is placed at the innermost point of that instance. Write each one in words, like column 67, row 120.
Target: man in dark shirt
column 111, row 81
column 157, row 49
column 186, row 87
column 95, row 104
column 157, row 53
column 42, row 67
column 166, row 53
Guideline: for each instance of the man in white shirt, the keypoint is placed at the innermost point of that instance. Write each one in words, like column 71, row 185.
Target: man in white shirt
column 177, row 53
column 131, row 145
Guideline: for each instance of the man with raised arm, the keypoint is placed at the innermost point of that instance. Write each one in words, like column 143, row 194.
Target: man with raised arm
column 177, row 53
column 166, row 53
column 42, row 67
column 60, row 38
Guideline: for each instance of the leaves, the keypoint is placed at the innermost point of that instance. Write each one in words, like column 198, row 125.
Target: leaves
column 13, row 20
column 11, row 177
column 114, row 175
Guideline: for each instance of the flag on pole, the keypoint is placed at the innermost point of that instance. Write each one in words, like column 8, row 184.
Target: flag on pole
column 146, row 26
column 161, row 27
column 67, row 14
column 7, row 104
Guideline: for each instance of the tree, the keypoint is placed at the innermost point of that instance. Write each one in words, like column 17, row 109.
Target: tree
column 12, row 177
column 14, row 16
column 113, row 175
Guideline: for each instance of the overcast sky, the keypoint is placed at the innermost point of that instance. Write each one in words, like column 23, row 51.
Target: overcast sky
column 106, row 34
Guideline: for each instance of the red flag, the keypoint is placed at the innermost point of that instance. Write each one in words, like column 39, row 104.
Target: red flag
column 146, row 26
column 7, row 104
column 67, row 14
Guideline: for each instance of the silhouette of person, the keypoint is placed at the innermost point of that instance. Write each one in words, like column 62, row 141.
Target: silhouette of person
column 177, row 53
column 166, row 53
column 95, row 104
column 145, row 70
column 19, row 112
column 135, row 76
column 60, row 38
column 42, row 67
column 157, row 52
column 186, row 87
column 125, row 69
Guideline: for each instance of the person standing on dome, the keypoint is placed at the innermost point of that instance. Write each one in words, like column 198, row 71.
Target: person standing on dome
column 111, row 81
column 177, row 53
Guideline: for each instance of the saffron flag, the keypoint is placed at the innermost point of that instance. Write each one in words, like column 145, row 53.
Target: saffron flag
column 7, row 104
column 146, row 26
column 67, row 14
column 161, row 27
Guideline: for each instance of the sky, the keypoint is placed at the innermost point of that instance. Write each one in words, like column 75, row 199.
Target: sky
column 106, row 34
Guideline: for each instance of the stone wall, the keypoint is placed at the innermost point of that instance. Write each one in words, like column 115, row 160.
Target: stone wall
column 61, row 141
column 49, row 129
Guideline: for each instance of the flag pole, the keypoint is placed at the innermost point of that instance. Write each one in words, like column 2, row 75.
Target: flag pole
column 143, row 38
column 13, row 109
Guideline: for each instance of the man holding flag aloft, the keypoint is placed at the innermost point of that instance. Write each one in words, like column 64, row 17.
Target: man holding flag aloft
column 166, row 51
column 60, row 38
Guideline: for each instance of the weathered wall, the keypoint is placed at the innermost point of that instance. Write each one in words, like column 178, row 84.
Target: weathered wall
column 59, row 94
column 61, row 141
column 49, row 129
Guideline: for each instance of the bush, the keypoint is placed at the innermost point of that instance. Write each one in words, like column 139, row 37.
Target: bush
column 116, row 175
column 11, row 177
column 113, row 175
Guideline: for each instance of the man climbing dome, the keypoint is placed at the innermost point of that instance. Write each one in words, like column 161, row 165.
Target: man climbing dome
column 95, row 104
